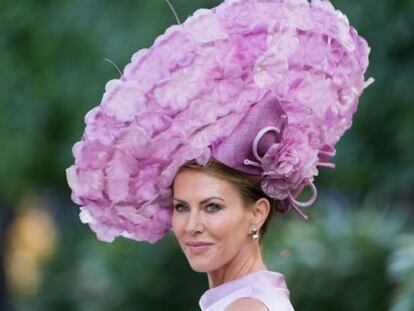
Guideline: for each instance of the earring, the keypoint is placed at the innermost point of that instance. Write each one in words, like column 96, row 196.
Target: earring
column 255, row 234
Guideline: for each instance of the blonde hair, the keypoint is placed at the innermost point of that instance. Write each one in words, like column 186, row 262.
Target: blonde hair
column 248, row 185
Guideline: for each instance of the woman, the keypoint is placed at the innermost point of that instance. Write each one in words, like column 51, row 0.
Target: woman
column 254, row 94
column 220, row 216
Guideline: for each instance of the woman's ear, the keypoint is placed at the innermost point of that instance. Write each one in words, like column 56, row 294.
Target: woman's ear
column 260, row 211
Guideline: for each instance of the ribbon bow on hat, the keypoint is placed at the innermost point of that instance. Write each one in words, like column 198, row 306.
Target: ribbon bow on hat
column 266, row 87
column 282, row 154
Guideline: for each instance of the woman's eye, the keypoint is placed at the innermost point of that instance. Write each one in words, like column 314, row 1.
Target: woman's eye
column 180, row 208
column 212, row 208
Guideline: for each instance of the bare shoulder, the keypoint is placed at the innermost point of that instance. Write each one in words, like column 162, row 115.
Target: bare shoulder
column 246, row 304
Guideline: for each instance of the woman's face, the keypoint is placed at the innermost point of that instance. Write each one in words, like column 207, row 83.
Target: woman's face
column 210, row 220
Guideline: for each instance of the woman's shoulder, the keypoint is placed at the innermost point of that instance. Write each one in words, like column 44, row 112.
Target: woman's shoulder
column 260, row 291
column 246, row 304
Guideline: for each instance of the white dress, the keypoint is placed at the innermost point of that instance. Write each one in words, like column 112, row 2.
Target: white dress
column 267, row 286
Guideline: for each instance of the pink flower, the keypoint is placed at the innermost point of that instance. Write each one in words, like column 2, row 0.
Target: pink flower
column 101, row 127
column 287, row 164
column 92, row 156
column 86, row 184
column 154, row 122
column 124, row 101
column 205, row 27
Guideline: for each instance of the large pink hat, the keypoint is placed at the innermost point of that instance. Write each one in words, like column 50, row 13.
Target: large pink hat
column 267, row 87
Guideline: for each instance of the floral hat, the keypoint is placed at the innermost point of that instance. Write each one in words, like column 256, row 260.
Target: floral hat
column 267, row 87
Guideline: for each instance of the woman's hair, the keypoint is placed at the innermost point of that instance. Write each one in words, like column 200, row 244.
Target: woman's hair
column 247, row 185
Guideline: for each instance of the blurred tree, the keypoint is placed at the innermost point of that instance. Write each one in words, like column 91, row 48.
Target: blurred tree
column 401, row 271
column 339, row 261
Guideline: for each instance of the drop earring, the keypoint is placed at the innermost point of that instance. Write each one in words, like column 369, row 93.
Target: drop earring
column 255, row 234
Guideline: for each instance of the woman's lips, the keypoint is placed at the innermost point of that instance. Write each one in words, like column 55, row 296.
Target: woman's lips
column 198, row 248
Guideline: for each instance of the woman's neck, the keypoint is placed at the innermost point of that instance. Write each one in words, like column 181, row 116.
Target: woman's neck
column 247, row 261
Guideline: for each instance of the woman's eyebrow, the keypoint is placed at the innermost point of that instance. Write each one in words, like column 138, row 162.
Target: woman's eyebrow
column 202, row 202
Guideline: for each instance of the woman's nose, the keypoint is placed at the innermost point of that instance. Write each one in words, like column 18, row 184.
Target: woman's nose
column 194, row 223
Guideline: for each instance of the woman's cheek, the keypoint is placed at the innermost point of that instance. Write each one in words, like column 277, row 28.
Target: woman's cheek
column 177, row 226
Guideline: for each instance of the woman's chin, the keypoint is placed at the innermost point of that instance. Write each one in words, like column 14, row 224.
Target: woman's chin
column 201, row 265
column 200, row 269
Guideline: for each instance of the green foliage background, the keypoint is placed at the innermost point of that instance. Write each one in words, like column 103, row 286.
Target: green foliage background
column 357, row 253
